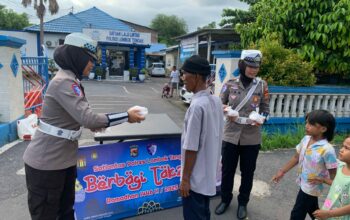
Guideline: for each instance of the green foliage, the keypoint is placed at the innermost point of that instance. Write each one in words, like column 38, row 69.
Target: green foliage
column 99, row 71
column 208, row 26
column 280, row 140
column 284, row 67
column 11, row 20
column 133, row 72
column 319, row 30
column 291, row 138
column 168, row 27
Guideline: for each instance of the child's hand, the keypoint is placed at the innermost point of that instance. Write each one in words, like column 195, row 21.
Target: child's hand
column 315, row 180
column 276, row 178
column 321, row 214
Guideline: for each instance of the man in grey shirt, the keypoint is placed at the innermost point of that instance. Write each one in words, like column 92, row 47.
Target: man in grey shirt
column 200, row 141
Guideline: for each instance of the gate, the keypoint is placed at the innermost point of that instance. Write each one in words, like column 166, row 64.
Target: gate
column 35, row 80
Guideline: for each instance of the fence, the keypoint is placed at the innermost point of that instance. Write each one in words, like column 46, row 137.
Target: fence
column 289, row 105
column 35, row 81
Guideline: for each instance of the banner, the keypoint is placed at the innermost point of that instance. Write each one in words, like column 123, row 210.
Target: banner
column 121, row 37
column 127, row 179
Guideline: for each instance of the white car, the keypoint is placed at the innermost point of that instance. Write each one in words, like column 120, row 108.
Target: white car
column 157, row 69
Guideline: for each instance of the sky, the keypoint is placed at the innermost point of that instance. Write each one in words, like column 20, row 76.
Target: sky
column 196, row 13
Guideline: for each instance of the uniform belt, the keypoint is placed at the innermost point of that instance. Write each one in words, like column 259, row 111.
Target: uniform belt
column 60, row 132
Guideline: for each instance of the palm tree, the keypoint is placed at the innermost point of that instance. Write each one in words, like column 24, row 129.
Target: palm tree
column 40, row 12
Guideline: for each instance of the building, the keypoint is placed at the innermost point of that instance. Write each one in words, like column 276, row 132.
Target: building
column 121, row 44
column 204, row 41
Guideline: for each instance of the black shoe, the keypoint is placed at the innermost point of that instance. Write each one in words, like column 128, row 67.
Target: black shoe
column 221, row 208
column 242, row 212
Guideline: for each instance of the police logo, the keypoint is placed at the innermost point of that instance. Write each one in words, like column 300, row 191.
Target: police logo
column 77, row 90
column 134, row 150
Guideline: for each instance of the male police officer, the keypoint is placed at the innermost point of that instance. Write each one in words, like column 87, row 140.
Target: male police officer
column 51, row 157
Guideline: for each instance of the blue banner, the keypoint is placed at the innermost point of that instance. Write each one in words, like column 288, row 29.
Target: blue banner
column 127, row 179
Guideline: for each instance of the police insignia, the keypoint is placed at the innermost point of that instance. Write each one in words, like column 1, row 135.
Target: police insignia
column 76, row 90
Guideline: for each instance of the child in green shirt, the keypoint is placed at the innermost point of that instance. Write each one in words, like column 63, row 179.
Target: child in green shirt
column 337, row 204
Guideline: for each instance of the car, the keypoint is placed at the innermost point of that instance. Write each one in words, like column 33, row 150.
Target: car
column 157, row 69
column 186, row 96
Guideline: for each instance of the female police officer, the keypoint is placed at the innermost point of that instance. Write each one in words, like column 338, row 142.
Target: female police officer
column 51, row 157
column 247, row 96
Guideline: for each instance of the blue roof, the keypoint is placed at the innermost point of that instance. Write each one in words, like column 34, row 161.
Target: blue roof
column 91, row 18
column 11, row 41
column 155, row 48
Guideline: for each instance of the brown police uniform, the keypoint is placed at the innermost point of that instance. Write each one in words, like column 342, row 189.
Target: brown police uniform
column 232, row 93
column 241, row 142
column 65, row 106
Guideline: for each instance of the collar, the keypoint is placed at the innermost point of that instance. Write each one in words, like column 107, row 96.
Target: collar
column 318, row 143
column 200, row 93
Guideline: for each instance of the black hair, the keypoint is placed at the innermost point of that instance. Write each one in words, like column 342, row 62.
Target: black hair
column 323, row 118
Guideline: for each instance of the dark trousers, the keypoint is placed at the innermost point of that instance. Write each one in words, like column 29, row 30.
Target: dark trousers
column 196, row 207
column 304, row 204
column 51, row 193
column 247, row 156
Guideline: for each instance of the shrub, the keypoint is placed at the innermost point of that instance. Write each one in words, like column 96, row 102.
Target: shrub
column 284, row 67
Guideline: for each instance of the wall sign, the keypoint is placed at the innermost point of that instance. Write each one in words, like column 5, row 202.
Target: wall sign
column 121, row 37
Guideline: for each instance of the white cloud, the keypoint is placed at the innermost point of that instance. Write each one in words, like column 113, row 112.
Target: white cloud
column 195, row 12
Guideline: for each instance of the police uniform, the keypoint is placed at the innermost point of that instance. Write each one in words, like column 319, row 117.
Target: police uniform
column 232, row 93
column 51, row 157
column 241, row 141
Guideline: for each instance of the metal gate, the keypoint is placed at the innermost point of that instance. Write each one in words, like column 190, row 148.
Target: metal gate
column 35, row 80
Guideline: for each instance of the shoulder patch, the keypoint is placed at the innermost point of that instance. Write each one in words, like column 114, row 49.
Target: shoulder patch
column 77, row 90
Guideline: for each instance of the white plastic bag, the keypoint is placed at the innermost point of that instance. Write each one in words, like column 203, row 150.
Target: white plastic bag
column 27, row 127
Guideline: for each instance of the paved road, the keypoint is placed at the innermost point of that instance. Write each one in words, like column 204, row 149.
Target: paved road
column 267, row 203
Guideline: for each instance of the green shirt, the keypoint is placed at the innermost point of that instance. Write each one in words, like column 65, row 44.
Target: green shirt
column 339, row 193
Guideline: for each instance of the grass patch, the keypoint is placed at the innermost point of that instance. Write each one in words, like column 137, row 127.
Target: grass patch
column 290, row 139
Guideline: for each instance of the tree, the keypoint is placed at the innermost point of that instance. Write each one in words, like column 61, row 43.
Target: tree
column 11, row 20
column 210, row 25
column 40, row 12
column 319, row 30
column 232, row 17
column 168, row 27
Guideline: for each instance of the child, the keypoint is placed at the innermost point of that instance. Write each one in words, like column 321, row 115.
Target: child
column 315, row 158
column 337, row 203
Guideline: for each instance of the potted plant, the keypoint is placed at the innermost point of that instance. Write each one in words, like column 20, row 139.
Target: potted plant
column 142, row 75
column 133, row 73
column 99, row 72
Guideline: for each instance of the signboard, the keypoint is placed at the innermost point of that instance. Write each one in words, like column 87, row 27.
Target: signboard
column 120, row 37
column 127, row 179
column 188, row 47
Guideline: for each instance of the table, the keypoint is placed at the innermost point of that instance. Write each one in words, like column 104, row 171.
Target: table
column 154, row 126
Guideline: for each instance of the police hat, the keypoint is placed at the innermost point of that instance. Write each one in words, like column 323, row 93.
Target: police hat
column 82, row 41
column 196, row 65
column 252, row 57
